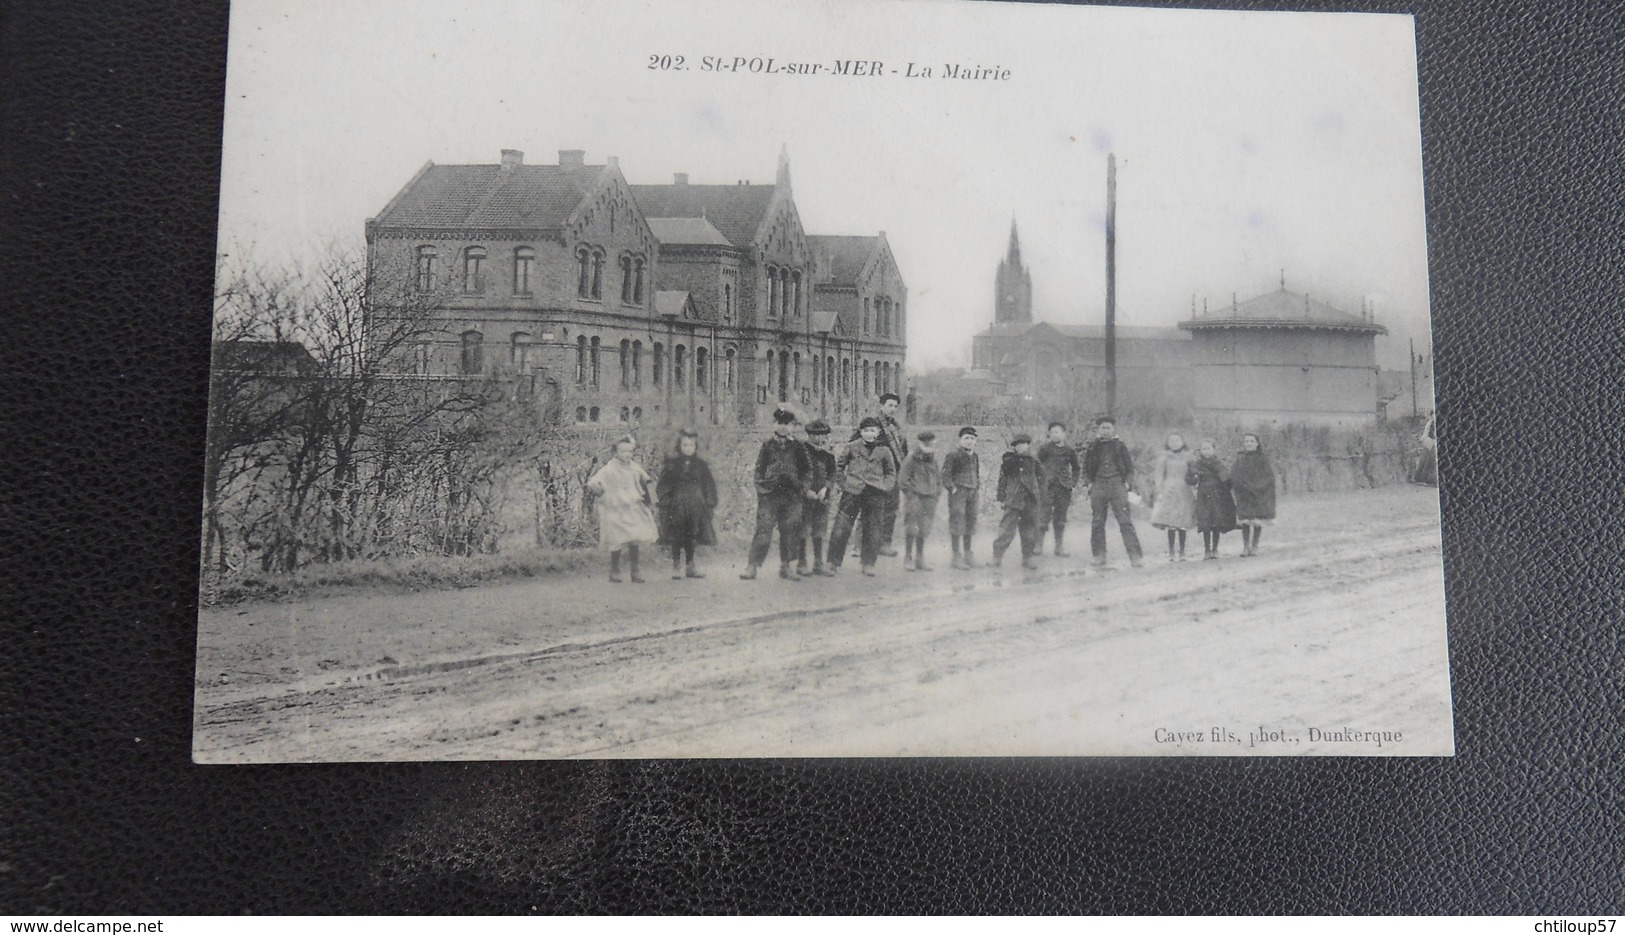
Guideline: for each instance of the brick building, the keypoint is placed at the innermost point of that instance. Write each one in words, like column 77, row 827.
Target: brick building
column 664, row 304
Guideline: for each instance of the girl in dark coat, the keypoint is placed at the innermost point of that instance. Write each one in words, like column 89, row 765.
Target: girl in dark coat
column 1252, row 480
column 688, row 496
column 1215, row 510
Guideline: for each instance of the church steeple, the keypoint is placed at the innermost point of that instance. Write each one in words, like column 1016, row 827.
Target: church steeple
column 1013, row 288
column 783, row 180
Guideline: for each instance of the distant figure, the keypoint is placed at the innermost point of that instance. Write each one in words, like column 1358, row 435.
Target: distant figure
column 962, row 478
column 1252, row 482
column 1108, row 469
column 868, row 476
column 626, row 516
column 687, row 495
column 1175, row 506
column 782, row 475
column 815, row 509
column 1060, row 463
column 921, row 483
column 911, row 404
column 1021, row 496
column 1215, row 508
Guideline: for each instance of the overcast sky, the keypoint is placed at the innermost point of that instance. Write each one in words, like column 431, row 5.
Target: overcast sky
column 1246, row 142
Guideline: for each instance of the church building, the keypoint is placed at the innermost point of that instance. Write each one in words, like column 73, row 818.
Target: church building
column 665, row 304
column 1044, row 360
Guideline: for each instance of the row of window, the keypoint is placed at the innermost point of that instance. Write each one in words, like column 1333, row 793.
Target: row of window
column 784, row 292
column 589, row 371
column 589, row 270
column 883, row 317
column 784, row 370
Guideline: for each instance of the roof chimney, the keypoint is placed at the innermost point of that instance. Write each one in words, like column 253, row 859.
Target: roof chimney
column 679, row 178
column 511, row 158
column 569, row 158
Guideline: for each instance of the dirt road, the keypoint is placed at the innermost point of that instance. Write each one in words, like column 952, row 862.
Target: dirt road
column 1331, row 641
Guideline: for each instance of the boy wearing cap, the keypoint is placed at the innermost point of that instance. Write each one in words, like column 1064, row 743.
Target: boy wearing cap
column 782, row 475
column 1108, row 469
column 1020, row 494
column 1060, row 463
column 891, row 435
column 962, row 478
column 921, row 483
column 815, row 510
column 868, row 475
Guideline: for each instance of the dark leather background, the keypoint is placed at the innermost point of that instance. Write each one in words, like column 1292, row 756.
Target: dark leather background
column 109, row 158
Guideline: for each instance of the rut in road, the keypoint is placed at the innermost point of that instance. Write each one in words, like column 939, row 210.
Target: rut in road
column 599, row 698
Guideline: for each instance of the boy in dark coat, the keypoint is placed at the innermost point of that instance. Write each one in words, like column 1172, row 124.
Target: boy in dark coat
column 1060, row 463
column 821, row 488
column 921, row 483
column 782, row 476
column 1108, row 469
column 1020, row 494
column 891, row 435
column 868, row 475
column 962, row 478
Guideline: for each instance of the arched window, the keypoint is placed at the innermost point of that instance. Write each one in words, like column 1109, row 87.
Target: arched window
column 865, row 328
column 846, row 376
column 795, row 293
column 770, row 371
column 474, row 270
column 422, row 353
column 784, row 376
column 626, row 364
column 473, row 358
column 626, row 414
column 595, row 362
column 829, row 374
column 772, row 292
column 679, row 366
column 796, row 364
column 728, row 361
column 581, row 413
column 660, row 364
column 637, row 413
column 866, row 385
column 524, row 263
column 427, row 257
column 519, row 352
column 597, row 276
column 581, row 360
column 637, row 280
column 626, row 279
column 727, row 301
column 637, row 365
column 700, row 375
column 592, row 414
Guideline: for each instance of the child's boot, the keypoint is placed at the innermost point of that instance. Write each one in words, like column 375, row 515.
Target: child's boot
column 615, row 566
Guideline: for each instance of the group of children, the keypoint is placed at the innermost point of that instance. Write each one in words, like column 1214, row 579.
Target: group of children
column 875, row 475
column 1199, row 490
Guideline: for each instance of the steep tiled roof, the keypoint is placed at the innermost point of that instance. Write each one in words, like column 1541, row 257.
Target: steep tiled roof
column 840, row 258
column 1282, row 309
column 736, row 211
column 686, row 231
column 489, row 196
column 824, row 322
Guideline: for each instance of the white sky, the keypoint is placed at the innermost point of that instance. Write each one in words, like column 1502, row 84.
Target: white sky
column 1246, row 142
